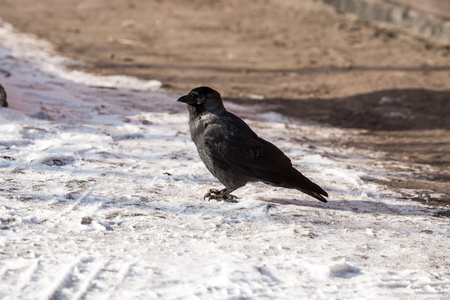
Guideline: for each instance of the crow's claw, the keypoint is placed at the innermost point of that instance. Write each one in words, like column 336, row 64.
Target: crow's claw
column 230, row 198
column 212, row 194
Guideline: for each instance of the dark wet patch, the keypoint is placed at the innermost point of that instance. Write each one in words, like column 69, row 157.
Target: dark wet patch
column 7, row 157
column 431, row 201
column 3, row 102
column 396, row 109
column 5, row 73
column 443, row 214
column 42, row 115
column 127, row 137
column 58, row 161
column 7, row 223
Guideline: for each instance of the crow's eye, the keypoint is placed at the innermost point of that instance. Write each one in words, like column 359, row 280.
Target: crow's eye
column 200, row 99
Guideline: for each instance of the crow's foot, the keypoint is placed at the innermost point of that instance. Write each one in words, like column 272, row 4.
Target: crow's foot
column 212, row 194
column 229, row 198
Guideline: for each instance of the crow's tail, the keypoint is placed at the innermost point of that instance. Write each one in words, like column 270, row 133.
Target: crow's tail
column 303, row 184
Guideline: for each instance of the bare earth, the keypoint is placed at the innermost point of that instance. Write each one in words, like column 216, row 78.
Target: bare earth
column 294, row 56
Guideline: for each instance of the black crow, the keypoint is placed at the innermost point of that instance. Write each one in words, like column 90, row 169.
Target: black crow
column 234, row 154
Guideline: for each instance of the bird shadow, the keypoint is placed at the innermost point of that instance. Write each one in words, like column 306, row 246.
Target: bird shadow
column 363, row 207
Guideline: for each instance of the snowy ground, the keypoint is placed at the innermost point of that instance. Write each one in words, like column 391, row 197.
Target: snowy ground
column 100, row 198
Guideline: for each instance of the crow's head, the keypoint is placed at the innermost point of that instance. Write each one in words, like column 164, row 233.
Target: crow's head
column 204, row 98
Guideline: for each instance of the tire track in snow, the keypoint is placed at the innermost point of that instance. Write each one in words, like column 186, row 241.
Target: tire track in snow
column 122, row 274
column 77, row 278
column 86, row 284
column 65, row 282
column 26, row 276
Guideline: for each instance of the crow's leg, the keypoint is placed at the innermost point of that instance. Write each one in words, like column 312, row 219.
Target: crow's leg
column 219, row 195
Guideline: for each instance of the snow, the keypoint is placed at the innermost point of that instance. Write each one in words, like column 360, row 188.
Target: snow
column 100, row 198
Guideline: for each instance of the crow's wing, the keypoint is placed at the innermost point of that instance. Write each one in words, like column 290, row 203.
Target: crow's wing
column 232, row 144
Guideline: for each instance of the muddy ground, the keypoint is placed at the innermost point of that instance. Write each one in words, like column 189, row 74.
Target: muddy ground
column 296, row 57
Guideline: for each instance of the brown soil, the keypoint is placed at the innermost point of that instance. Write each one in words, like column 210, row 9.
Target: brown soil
column 293, row 56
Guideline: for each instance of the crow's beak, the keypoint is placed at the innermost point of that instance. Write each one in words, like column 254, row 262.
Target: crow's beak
column 184, row 99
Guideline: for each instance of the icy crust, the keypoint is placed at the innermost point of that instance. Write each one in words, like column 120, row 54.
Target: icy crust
column 100, row 198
